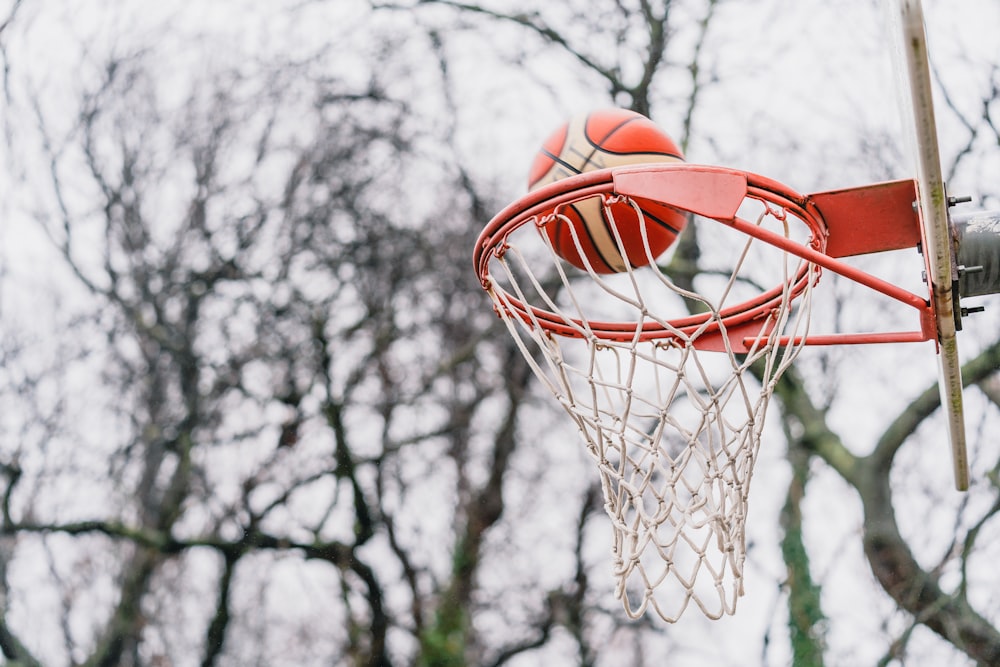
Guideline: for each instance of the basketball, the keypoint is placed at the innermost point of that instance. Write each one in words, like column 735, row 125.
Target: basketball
column 600, row 140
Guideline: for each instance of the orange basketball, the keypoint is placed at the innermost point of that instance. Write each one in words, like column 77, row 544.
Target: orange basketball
column 599, row 140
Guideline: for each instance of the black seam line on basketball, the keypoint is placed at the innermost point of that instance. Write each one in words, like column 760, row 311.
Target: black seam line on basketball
column 610, row 132
column 557, row 160
column 585, row 157
column 662, row 223
column 658, row 153
column 593, row 242
column 599, row 147
column 596, row 145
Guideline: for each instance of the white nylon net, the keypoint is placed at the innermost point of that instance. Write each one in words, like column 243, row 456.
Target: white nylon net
column 674, row 430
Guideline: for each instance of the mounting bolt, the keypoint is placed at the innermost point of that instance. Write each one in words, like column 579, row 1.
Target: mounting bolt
column 975, row 309
column 958, row 200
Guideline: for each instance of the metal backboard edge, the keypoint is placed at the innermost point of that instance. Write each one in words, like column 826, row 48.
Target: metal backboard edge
column 936, row 229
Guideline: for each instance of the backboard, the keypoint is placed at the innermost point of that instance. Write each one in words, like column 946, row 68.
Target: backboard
column 912, row 66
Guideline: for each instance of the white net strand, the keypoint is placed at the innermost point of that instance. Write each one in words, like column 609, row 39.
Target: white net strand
column 674, row 430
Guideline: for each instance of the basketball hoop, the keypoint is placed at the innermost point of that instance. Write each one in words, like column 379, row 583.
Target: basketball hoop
column 668, row 374
column 673, row 426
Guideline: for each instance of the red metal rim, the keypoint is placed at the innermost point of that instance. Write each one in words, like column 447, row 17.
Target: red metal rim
column 493, row 239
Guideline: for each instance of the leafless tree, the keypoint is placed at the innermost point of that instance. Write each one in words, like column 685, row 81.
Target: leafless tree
column 264, row 414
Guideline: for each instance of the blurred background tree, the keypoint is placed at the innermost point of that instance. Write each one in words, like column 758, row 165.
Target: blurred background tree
column 255, row 409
